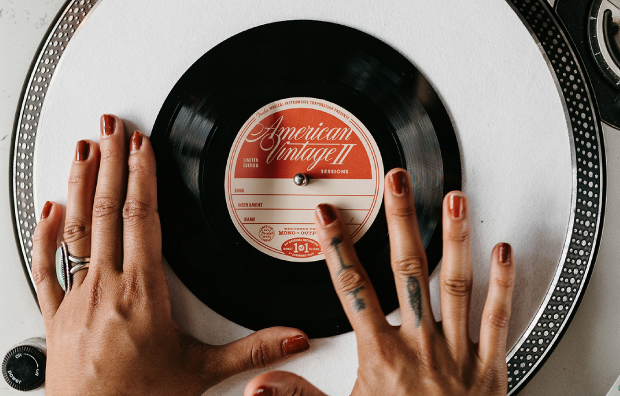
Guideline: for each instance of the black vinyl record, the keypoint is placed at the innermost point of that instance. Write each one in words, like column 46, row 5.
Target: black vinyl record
column 205, row 111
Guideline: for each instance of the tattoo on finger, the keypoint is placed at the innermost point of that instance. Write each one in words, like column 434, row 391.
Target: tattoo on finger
column 358, row 303
column 415, row 298
column 336, row 244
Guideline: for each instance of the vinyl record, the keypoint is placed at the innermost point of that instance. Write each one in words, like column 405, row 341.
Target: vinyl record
column 233, row 262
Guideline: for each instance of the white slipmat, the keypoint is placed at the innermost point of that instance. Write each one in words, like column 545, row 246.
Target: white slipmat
column 509, row 118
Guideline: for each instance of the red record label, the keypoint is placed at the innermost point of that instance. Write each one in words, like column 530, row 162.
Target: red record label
column 308, row 136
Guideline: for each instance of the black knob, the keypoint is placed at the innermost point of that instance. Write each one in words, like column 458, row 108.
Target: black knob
column 24, row 368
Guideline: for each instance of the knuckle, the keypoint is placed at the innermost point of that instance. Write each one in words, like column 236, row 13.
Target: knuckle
column 498, row 319
column 39, row 238
column 457, row 286
column 76, row 230
column 136, row 211
column 94, row 296
column 132, row 287
column 260, row 355
column 493, row 378
column 77, row 181
column 140, row 168
column 349, row 280
column 504, row 282
column 39, row 274
column 405, row 212
column 106, row 207
column 458, row 236
column 410, row 265
column 112, row 154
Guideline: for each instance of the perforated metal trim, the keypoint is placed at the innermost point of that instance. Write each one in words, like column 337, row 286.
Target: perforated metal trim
column 586, row 223
column 27, row 122
column 581, row 245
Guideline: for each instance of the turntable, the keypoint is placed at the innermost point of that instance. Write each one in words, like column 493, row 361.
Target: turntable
column 526, row 86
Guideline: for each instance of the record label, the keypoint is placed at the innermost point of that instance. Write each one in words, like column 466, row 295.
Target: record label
column 320, row 140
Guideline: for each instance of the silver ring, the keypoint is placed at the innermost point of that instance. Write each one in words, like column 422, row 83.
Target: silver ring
column 67, row 265
column 79, row 267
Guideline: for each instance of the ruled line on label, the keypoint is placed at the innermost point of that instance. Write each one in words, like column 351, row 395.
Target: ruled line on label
column 313, row 195
column 364, row 210
column 261, row 223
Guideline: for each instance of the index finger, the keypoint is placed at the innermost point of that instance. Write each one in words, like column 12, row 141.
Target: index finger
column 350, row 280
column 141, row 227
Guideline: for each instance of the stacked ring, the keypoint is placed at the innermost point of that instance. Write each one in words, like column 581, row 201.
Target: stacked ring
column 67, row 265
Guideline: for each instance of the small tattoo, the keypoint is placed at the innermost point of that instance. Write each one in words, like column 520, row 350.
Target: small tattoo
column 336, row 243
column 358, row 303
column 415, row 298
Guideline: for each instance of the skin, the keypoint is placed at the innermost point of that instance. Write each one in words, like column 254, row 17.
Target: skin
column 113, row 334
column 422, row 356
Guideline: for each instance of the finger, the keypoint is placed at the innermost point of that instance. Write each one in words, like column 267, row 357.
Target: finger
column 141, row 228
column 281, row 383
column 456, row 273
column 496, row 312
column 351, row 282
column 258, row 350
column 49, row 292
column 79, row 210
column 407, row 251
column 109, row 197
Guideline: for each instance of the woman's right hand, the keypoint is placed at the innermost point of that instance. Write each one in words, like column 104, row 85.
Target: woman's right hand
column 422, row 356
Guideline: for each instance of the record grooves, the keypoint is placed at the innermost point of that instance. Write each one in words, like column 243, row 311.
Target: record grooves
column 200, row 119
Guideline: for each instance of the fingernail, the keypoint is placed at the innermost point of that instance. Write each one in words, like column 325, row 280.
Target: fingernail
column 400, row 182
column 504, row 253
column 456, row 206
column 108, row 124
column 295, row 345
column 263, row 391
column 82, row 150
column 47, row 208
column 326, row 214
column 135, row 142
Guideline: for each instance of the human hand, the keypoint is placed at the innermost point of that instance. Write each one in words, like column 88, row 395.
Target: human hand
column 422, row 356
column 113, row 333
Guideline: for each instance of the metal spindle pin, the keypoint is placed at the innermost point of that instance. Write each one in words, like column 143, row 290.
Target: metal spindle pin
column 301, row 179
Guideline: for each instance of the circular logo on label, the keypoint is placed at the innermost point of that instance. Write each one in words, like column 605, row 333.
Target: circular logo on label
column 290, row 156
column 266, row 233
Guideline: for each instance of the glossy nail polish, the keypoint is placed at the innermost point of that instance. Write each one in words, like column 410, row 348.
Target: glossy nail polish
column 295, row 345
column 135, row 142
column 326, row 214
column 456, row 206
column 47, row 208
column 263, row 391
column 108, row 124
column 504, row 251
column 82, row 150
column 400, row 182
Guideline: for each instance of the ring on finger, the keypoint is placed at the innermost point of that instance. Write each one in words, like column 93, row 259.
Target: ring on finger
column 67, row 265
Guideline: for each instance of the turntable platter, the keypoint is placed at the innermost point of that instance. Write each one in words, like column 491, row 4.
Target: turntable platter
column 519, row 138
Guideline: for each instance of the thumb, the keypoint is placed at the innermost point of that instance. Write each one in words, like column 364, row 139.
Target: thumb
column 258, row 350
column 281, row 383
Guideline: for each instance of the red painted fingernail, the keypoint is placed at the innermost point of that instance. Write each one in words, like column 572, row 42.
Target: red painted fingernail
column 135, row 142
column 82, row 150
column 400, row 182
column 456, row 206
column 326, row 214
column 504, row 253
column 263, row 391
column 47, row 208
column 295, row 345
column 108, row 124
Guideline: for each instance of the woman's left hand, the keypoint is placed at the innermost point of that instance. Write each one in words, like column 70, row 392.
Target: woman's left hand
column 113, row 333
